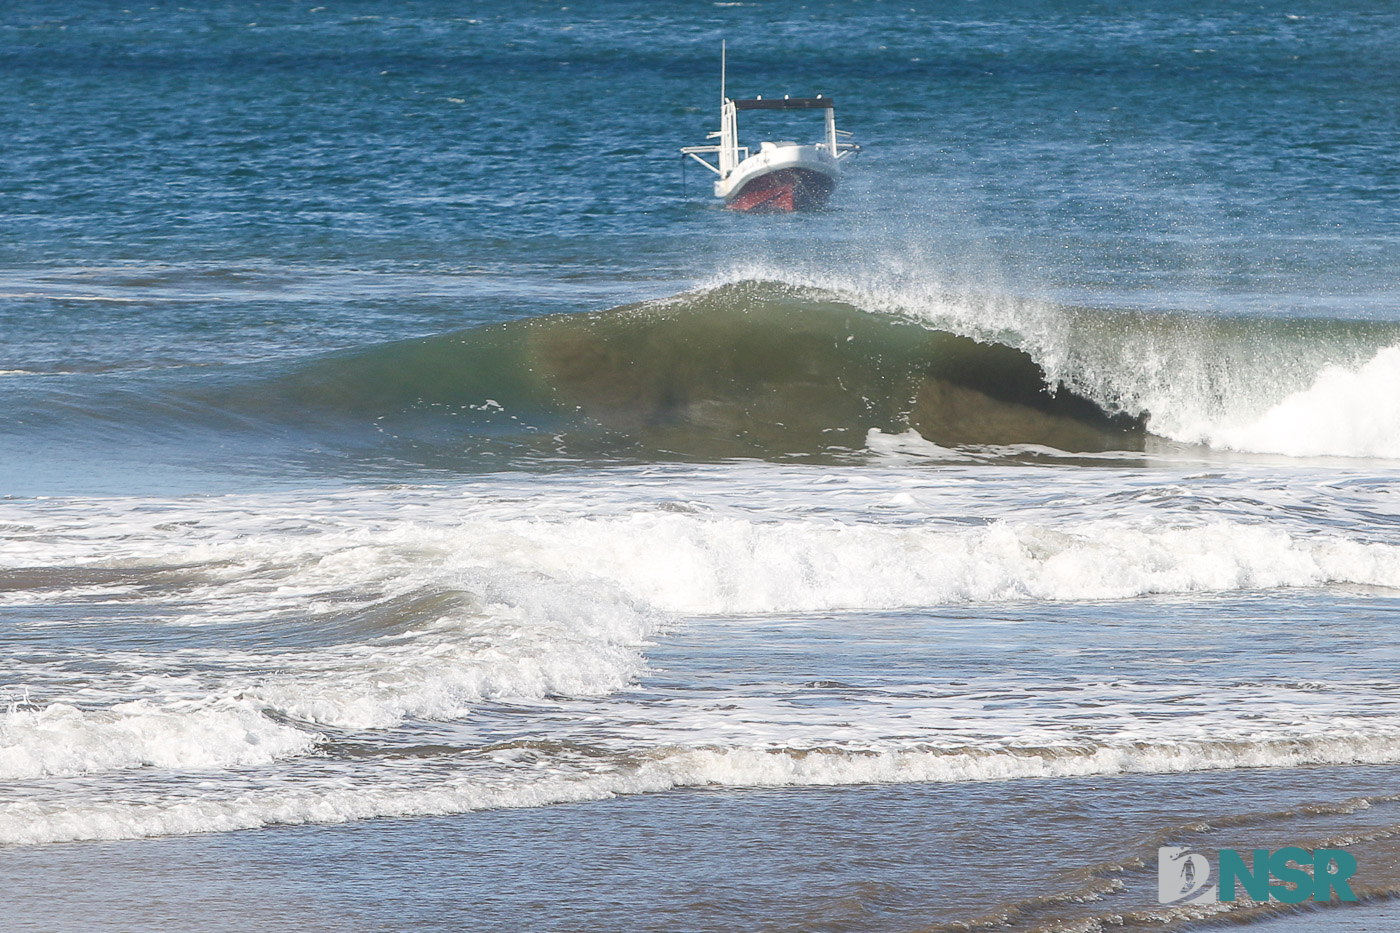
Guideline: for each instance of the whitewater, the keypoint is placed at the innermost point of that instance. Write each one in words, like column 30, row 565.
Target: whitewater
column 424, row 617
column 1302, row 386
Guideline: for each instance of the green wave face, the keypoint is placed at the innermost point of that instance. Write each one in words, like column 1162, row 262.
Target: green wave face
column 745, row 370
column 775, row 371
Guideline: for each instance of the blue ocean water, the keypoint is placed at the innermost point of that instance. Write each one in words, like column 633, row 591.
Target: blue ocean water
column 406, row 461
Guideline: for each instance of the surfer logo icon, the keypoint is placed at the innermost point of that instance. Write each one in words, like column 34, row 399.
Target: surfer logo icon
column 1180, row 874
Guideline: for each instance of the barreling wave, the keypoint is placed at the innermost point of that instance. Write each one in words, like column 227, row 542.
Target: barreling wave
column 810, row 368
column 773, row 369
column 750, row 369
column 1298, row 386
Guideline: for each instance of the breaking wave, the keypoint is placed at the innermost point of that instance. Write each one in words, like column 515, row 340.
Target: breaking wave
column 796, row 368
column 749, row 369
column 772, row 368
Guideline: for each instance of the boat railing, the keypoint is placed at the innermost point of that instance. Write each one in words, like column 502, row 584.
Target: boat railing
column 695, row 152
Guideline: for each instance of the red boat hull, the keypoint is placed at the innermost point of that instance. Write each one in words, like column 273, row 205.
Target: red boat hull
column 787, row 189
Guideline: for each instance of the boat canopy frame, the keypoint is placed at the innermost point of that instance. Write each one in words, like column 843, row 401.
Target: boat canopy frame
column 728, row 149
column 787, row 103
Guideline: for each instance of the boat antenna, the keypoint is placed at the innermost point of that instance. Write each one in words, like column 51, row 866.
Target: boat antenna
column 722, row 98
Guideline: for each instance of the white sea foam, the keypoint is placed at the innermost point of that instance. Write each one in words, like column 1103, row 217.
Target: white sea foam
column 1345, row 412
column 581, row 634
column 32, row 821
column 909, row 443
column 722, row 565
column 555, row 600
column 543, row 565
column 419, row 604
column 62, row 740
column 535, row 641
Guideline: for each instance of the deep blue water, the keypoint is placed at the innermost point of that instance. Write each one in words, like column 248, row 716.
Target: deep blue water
column 1236, row 149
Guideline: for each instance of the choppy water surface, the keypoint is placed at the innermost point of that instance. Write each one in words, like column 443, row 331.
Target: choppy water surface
column 393, row 449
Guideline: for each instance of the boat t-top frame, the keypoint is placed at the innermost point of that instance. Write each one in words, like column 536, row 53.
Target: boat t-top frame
column 728, row 149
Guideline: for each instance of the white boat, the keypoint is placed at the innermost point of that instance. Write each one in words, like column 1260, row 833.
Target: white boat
column 780, row 176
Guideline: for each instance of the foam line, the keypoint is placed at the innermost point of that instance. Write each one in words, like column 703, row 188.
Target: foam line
column 36, row 822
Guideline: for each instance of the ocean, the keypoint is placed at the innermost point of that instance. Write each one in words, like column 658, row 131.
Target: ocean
column 424, row 507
